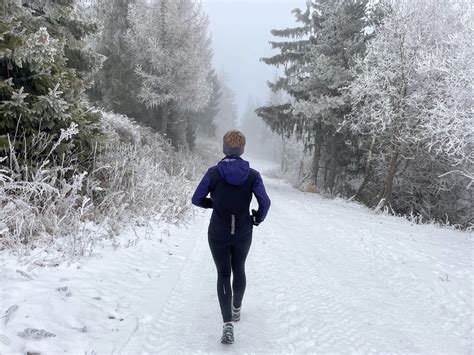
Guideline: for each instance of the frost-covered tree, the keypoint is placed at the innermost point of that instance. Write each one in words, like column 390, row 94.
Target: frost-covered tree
column 171, row 48
column 116, row 84
column 338, row 40
column 413, row 91
column 317, row 66
column 45, row 67
column 205, row 117
column 294, row 46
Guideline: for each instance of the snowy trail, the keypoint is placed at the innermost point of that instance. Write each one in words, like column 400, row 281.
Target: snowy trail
column 323, row 276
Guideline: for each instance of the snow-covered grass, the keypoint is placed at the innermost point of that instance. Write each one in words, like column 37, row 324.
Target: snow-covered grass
column 53, row 211
column 139, row 175
column 323, row 276
column 39, row 200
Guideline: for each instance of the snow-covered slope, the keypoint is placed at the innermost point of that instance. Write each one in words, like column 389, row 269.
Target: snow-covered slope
column 323, row 276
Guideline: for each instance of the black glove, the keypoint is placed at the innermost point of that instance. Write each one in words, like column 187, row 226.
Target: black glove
column 255, row 221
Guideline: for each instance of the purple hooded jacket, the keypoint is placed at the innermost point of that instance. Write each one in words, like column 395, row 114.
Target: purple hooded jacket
column 231, row 184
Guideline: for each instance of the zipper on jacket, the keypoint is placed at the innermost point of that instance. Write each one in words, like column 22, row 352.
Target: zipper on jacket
column 232, row 224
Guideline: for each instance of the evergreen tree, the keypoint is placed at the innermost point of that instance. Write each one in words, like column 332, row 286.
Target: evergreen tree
column 276, row 98
column 171, row 48
column 116, row 84
column 45, row 68
column 317, row 60
column 205, row 118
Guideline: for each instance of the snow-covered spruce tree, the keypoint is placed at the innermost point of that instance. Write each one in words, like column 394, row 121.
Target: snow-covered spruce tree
column 413, row 95
column 116, row 85
column 317, row 66
column 295, row 161
column 278, row 115
column 205, row 118
column 171, row 48
column 46, row 127
column 339, row 39
column 45, row 68
column 276, row 98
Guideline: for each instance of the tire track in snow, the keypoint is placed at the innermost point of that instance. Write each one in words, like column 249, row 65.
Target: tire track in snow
column 354, row 295
column 174, row 323
column 307, row 315
column 344, row 302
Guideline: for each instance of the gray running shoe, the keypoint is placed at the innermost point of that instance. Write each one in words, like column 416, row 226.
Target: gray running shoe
column 227, row 333
column 236, row 313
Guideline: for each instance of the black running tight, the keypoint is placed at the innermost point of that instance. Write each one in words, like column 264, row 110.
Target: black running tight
column 229, row 255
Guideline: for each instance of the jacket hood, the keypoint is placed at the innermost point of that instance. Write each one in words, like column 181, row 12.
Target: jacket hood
column 234, row 170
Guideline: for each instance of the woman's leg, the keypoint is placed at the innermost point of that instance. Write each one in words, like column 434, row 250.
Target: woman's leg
column 240, row 250
column 221, row 253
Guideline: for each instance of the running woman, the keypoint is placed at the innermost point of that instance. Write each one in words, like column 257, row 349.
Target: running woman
column 231, row 184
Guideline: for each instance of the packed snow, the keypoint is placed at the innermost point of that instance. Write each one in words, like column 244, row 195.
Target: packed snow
column 322, row 276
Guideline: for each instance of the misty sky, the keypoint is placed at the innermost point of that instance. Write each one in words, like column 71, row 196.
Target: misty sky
column 241, row 31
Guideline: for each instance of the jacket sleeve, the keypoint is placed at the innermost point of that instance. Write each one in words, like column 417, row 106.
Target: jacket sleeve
column 262, row 198
column 200, row 198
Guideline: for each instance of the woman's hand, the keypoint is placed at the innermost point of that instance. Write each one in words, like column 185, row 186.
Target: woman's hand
column 255, row 221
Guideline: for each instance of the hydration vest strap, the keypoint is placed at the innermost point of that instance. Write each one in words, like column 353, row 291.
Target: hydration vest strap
column 232, row 224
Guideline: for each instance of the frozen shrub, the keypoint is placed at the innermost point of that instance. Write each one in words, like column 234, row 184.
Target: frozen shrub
column 56, row 208
column 138, row 174
column 39, row 200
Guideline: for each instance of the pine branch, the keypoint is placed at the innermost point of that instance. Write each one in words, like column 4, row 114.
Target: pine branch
column 297, row 32
column 283, row 58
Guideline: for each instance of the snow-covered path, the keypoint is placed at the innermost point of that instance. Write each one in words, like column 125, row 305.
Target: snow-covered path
column 323, row 276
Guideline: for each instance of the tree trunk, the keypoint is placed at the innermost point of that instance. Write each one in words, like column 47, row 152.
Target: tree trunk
column 326, row 169
column 316, row 158
column 368, row 172
column 301, row 171
column 284, row 163
column 386, row 196
column 164, row 118
column 332, row 163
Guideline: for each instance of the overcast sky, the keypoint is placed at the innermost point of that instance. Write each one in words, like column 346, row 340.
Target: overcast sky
column 241, row 31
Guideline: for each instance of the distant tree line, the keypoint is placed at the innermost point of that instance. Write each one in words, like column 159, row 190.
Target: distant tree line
column 381, row 96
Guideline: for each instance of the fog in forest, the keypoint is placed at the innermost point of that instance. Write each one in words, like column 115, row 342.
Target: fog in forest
column 118, row 204
column 240, row 33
